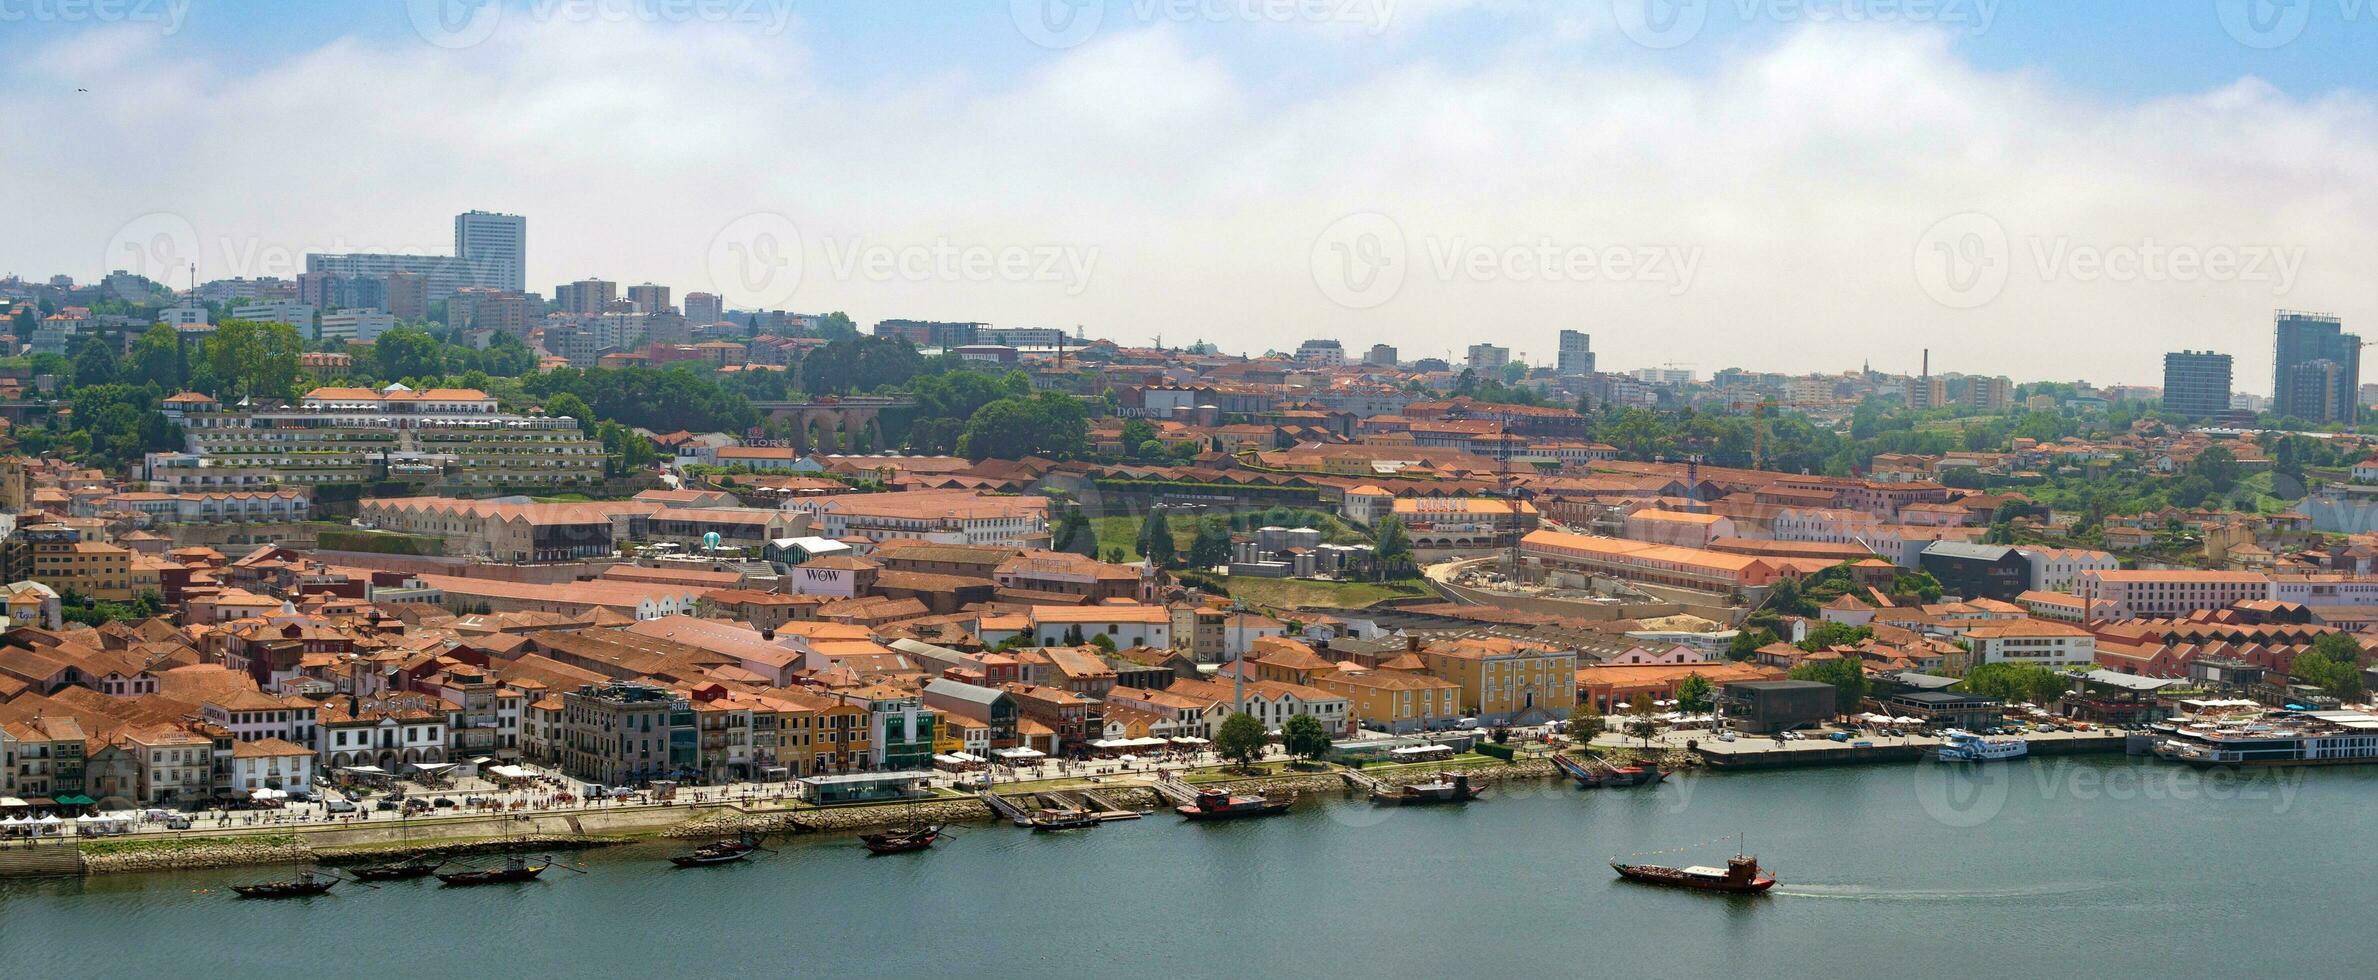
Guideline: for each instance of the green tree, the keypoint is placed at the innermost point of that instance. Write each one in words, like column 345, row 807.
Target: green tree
column 1585, row 724
column 1846, row 674
column 834, row 326
column 253, row 360
column 1046, row 424
column 2014, row 682
column 406, row 352
column 566, row 405
column 1211, row 544
column 94, row 361
column 1642, row 726
column 1305, row 737
column 1784, row 599
column 1155, row 538
column 1830, row 634
column 1746, row 643
column 1695, row 694
column 1135, row 433
column 156, row 359
column 2334, row 664
column 1241, row 739
column 1391, row 547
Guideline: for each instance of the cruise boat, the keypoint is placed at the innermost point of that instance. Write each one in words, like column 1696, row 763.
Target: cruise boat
column 1963, row 746
column 2284, row 738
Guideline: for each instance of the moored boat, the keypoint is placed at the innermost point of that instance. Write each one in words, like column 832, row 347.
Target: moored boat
column 305, row 884
column 516, row 868
column 1214, row 804
column 718, row 852
column 1041, row 820
column 417, row 866
column 1440, row 790
column 1964, row 746
column 901, row 841
column 1598, row 774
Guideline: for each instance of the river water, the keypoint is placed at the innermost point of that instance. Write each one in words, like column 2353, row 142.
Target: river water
column 2043, row 867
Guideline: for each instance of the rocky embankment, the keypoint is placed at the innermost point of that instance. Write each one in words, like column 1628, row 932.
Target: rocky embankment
column 204, row 852
column 730, row 822
column 109, row 857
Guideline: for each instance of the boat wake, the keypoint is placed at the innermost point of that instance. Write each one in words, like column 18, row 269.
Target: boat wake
column 1861, row 893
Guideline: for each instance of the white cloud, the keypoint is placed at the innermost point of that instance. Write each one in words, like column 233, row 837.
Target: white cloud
column 1801, row 177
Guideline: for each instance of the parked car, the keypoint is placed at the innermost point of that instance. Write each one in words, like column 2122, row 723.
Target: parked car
column 336, row 805
column 1839, row 736
column 442, row 802
column 386, row 804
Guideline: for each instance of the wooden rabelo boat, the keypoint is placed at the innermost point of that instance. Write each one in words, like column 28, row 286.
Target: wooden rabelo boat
column 1440, row 790
column 1598, row 774
column 306, row 884
column 1214, row 804
column 516, row 868
column 417, row 866
column 903, row 840
column 718, row 852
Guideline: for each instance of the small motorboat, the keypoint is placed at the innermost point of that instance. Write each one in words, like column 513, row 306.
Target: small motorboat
column 901, row 841
column 417, row 866
column 306, row 884
column 1214, row 804
column 718, row 852
column 516, row 868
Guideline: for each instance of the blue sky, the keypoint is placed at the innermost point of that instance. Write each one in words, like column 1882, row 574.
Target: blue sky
column 2101, row 179
column 2121, row 48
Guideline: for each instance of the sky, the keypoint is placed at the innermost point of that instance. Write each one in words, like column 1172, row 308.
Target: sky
column 2046, row 190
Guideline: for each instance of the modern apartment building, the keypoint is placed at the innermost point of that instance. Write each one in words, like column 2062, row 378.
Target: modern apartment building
column 704, row 308
column 2196, row 383
column 2317, row 368
column 586, row 297
column 494, row 244
column 356, row 326
column 1576, row 355
column 649, row 297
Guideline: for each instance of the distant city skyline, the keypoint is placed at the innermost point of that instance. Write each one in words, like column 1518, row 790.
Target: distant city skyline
column 1551, row 170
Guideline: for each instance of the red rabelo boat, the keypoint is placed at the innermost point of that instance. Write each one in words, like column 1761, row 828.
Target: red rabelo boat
column 1741, row 875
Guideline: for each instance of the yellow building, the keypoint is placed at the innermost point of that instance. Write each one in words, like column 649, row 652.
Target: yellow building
column 1506, row 681
column 1396, row 700
column 101, row 571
